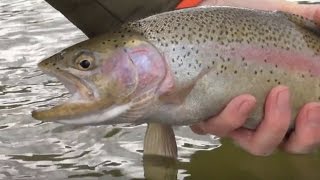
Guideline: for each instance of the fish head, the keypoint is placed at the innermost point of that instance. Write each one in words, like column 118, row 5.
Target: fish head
column 103, row 79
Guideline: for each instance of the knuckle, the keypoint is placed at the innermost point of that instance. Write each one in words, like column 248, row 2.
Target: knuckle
column 316, row 15
column 223, row 126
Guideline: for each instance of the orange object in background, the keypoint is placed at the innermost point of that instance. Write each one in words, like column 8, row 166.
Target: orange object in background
column 188, row 3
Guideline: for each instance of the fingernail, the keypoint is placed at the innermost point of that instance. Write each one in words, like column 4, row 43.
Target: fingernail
column 246, row 105
column 197, row 129
column 283, row 99
column 314, row 117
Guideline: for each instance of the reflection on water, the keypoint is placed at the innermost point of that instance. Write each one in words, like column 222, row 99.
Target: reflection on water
column 32, row 30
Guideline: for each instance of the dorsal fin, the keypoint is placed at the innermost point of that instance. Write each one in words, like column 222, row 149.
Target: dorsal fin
column 302, row 21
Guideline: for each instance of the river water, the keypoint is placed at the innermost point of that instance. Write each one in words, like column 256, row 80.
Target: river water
column 32, row 30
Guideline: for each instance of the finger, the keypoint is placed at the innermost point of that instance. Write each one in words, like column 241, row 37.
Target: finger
column 308, row 11
column 231, row 118
column 266, row 5
column 272, row 129
column 306, row 136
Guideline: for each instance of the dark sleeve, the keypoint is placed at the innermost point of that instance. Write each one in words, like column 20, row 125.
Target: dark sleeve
column 94, row 17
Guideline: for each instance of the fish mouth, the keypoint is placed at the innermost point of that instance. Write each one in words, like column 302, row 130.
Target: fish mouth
column 82, row 100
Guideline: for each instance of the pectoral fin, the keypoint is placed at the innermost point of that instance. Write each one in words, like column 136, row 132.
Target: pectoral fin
column 177, row 97
column 160, row 140
column 139, row 106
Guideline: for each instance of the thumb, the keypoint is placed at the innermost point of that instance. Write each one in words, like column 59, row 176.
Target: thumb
column 310, row 11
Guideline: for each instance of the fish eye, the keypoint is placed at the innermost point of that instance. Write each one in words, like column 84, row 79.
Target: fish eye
column 85, row 64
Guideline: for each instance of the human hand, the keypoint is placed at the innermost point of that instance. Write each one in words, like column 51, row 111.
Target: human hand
column 270, row 134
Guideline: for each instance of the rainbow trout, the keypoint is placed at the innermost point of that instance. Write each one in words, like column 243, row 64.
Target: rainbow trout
column 181, row 67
